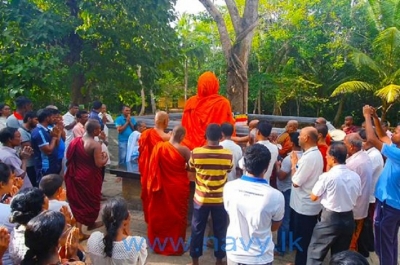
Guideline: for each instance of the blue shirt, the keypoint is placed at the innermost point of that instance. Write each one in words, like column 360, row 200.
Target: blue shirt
column 388, row 185
column 124, row 135
column 47, row 164
column 95, row 116
column 61, row 144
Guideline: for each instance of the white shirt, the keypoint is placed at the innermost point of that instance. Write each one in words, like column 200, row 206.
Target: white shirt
column 286, row 184
column 108, row 116
column 377, row 167
column 130, row 251
column 362, row 165
column 3, row 122
column 237, row 155
column 338, row 189
column 68, row 119
column 56, row 205
column 5, row 212
column 273, row 149
column 308, row 169
column 252, row 206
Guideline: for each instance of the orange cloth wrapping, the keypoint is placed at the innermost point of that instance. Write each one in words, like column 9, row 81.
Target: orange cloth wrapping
column 148, row 139
column 286, row 147
column 205, row 108
column 168, row 197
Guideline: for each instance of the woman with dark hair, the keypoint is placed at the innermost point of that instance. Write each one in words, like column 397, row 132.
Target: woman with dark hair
column 117, row 246
column 42, row 236
column 25, row 205
column 5, row 188
column 5, row 111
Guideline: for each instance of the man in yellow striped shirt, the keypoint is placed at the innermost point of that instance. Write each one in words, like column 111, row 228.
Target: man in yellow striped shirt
column 211, row 164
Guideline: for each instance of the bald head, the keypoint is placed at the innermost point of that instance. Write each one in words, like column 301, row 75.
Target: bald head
column 292, row 126
column 178, row 133
column 161, row 119
column 354, row 140
column 312, row 134
column 92, row 126
column 253, row 124
column 320, row 120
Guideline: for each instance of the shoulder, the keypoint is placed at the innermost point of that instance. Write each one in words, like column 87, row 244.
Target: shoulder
column 95, row 238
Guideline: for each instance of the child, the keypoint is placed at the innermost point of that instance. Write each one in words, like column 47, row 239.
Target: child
column 51, row 185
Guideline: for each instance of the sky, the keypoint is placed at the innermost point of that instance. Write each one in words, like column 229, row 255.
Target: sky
column 191, row 6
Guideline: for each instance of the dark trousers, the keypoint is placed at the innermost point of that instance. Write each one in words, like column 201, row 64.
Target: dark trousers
column 199, row 221
column 303, row 226
column 333, row 232
column 31, row 172
column 386, row 223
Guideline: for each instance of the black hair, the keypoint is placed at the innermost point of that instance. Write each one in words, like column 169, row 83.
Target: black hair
column 30, row 115
column 363, row 134
column 115, row 211
column 22, row 101
column 50, row 184
column 7, row 134
column 43, row 114
column 264, row 127
column 338, row 151
column 256, row 159
column 227, row 129
column 42, row 235
column 92, row 125
column 294, row 138
column 213, row 132
column 124, row 106
column 322, row 129
column 54, row 111
column 26, row 204
column 97, row 104
column 348, row 257
column 5, row 173
column 2, row 106
column 80, row 113
column 72, row 105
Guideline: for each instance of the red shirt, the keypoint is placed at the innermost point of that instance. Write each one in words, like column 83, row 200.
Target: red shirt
column 323, row 148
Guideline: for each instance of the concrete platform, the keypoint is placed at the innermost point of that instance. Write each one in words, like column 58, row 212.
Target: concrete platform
column 113, row 188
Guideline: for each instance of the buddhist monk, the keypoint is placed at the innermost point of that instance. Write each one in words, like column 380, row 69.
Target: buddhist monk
column 148, row 139
column 205, row 108
column 83, row 178
column 168, row 194
column 284, row 139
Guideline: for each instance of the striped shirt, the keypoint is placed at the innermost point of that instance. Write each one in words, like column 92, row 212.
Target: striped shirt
column 211, row 164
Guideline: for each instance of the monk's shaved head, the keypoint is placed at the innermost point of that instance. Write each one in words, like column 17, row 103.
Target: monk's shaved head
column 178, row 133
column 91, row 125
column 161, row 119
column 293, row 123
column 253, row 124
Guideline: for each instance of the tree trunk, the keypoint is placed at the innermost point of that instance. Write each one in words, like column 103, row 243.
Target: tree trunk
column 152, row 102
column 73, row 58
column 142, row 94
column 336, row 121
column 277, row 109
column 259, row 101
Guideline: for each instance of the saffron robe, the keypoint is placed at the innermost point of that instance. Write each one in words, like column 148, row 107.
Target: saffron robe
column 83, row 181
column 148, row 139
column 168, row 196
column 204, row 108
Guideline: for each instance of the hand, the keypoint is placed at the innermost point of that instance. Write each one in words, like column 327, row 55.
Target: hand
column 18, row 182
column 373, row 112
column 56, row 132
column 104, row 155
column 278, row 164
column 63, row 195
column 72, row 244
column 14, row 190
column 367, row 112
column 128, row 118
column 26, row 152
column 102, row 136
column 4, row 240
column 294, row 159
column 67, row 214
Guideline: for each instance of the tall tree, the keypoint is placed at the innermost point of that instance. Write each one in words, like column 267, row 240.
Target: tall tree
column 236, row 49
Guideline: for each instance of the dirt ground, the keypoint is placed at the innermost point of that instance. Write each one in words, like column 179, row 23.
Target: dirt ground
column 112, row 188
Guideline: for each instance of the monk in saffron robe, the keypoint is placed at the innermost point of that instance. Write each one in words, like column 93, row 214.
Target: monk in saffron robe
column 284, row 139
column 148, row 139
column 168, row 195
column 203, row 109
column 83, row 179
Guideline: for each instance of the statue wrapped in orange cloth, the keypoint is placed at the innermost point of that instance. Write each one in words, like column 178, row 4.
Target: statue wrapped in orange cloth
column 148, row 139
column 168, row 195
column 204, row 108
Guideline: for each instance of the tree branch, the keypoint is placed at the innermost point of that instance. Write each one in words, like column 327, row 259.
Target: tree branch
column 243, row 34
column 235, row 17
column 250, row 15
column 223, row 31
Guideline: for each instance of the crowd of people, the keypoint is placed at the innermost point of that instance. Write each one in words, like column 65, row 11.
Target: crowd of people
column 322, row 190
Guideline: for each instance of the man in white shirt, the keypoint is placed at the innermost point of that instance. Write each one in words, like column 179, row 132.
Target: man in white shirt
column 255, row 209
column 359, row 162
column 227, row 143
column 338, row 190
column 305, row 173
column 284, row 185
column 264, row 129
column 69, row 123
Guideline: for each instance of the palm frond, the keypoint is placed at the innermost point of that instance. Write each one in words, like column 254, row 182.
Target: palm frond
column 351, row 87
column 375, row 12
column 388, row 40
column 361, row 59
column 389, row 93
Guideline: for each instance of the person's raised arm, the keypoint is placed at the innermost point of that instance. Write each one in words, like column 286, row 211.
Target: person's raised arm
column 378, row 127
column 371, row 137
column 122, row 127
